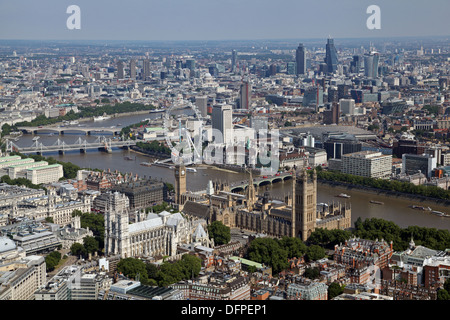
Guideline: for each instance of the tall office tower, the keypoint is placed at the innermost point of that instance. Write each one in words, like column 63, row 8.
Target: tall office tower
column 202, row 104
column 132, row 69
column 245, row 95
column 190, row 64
column 120, row 73
column 272, row 69
column 313, row 97
column 233, row 60
column 308, row 140
column 222, row 120
column 331, row 58
column 146, row 69
column 85, row 71
column 333, row 94
column 371, row 65
column 300, row 59
column 347, row 106
column 180, row 183
column 331, row 114
column 356, row 64
column 291, row 68
column 343, row 91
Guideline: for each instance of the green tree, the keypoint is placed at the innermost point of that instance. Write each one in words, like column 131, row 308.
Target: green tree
column 219, row 232
column 49, row 219
column 90, row 245
column 96, row 223
column 170, row 272
column 52, row 260
column 152, row 270
column 334, row 289
column 6, row 130
column 294, row 246
column 269, row 252
column 443, row 294
column 132, row 267
column 314, row 253
column 447, row 285
column 190, row 266
column 77, row 249
column 312, row 273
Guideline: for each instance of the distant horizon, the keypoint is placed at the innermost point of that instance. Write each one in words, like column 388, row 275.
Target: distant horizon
column 237, row 40
column 219, row 20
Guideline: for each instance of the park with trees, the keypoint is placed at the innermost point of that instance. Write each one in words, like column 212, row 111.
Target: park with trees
column 188, row 267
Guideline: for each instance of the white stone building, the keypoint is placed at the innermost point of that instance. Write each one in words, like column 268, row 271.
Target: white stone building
column 152, row 235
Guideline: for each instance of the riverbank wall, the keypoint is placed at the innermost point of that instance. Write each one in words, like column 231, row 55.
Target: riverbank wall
column 391, row 194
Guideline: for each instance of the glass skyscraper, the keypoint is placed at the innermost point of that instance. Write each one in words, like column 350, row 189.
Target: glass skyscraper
column 371, row 65
column 331, row 58
column 300, row 58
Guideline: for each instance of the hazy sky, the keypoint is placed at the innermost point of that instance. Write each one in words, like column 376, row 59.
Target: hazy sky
column 220, row 19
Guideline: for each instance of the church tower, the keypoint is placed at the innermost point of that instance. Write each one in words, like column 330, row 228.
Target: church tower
column 304, row 205
column 180, row 183
column 251, row 192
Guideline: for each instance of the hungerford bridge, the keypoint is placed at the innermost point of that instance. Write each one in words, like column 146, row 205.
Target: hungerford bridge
column 62, row 130
column 101, row 143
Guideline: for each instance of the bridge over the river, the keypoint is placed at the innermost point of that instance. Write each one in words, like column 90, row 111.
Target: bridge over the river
column 68, row 129
column 260, row 181
column 101, row 143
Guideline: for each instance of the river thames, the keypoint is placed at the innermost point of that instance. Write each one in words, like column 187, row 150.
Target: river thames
column 394, row 209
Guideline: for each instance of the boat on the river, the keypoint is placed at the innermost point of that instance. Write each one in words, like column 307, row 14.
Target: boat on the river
column 420, row 208
column 191, row 169
column 440, row 214
column 157, row 110
column 343, row 195
column 146, row 164
column 128, row 158
column 376, row 202
column 101, row 118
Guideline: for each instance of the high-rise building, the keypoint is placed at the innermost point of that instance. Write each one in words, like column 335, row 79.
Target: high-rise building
column 347, row 106
column 337, row 146
column 222, row 120
column 331, row 58
column 370, row 164
column 132, row 69
column 120, row 72
column 371, row 65
column 233, row 60
column 146, row 69
column 245, row 95
column 356, row 64
column 291, row 68
column 331, row 114
column 190, row 64
column 313, row 96
column 202, row 104
column 413, row 163
column 300, row 58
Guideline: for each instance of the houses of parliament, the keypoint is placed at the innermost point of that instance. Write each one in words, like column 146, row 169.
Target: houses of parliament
column 298, row 215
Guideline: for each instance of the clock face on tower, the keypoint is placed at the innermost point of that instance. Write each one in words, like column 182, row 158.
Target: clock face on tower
column 182, row 172
column 176, row 172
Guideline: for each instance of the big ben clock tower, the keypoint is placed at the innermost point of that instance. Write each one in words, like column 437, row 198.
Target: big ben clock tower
column 180, row 183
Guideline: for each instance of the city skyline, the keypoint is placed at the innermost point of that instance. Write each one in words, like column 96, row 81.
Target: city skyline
column 176, row 20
